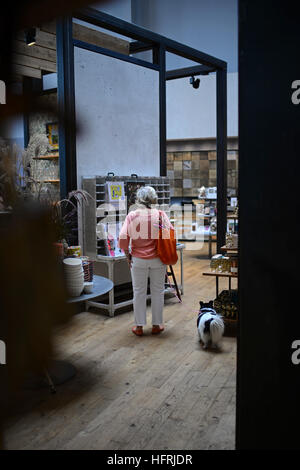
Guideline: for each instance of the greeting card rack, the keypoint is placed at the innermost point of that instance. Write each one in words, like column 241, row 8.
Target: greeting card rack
column 92, row 215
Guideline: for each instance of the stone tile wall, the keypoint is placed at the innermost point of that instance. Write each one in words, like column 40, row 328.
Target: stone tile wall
column 188, row 171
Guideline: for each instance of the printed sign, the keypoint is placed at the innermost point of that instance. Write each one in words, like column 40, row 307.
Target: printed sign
column 116, row 193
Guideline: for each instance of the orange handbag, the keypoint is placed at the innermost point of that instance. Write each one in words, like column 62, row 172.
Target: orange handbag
column 166, row 244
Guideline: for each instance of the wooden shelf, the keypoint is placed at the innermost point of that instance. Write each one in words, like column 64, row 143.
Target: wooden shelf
column 219, row 274
column 51, row 181
column 232, row 250
column 47, row 157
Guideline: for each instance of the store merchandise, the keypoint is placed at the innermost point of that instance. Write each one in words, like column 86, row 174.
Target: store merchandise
column 214, row 262
column 234, row 264
column 227, row 304
column 231, row 240
column 213, row 224
column 88, row 268
column 211, row 193
column 74, row 251
column 220, row 263
column 88, row 287
column 74, row 276
column 202, row 192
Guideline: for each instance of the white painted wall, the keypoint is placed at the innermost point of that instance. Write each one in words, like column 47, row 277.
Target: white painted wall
column 118, row 112
column 191, row 113
column 210, row 26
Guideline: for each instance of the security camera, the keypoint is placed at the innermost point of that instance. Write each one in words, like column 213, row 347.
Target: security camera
column 194, row 82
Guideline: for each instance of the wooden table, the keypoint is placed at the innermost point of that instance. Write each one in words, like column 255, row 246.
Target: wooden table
column 217, row 275
column 229, row 250
column 101, row 286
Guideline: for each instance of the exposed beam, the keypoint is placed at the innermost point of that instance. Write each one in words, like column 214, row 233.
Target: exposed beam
column 93, row 36
column 189, row 71
column 82, row 33
column 133, row 31
column 26, row 71
column 33, row 62
column 20, row 47
column 42, row 38
column 116, row 55
column 139, row 46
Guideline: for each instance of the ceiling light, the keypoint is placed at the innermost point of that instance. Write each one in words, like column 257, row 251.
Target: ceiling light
column 30, row 36
column 194, row 82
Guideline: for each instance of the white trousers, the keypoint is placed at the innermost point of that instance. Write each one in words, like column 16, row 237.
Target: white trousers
column 140, row 271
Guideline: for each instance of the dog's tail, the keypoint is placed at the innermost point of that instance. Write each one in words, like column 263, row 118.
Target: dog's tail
column 216, row 328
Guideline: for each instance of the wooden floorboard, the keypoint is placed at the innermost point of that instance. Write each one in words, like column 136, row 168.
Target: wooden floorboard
column 153, row 392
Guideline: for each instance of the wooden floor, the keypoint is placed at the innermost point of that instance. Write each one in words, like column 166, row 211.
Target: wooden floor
column 153, row 392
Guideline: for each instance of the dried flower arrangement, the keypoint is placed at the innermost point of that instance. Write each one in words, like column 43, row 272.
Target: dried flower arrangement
column 17, row 186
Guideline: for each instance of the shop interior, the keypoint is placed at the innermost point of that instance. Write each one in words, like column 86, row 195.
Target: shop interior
column 103, row 125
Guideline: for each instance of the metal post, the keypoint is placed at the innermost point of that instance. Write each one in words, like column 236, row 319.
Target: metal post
column 159, row 57
column 66, row 106
column 221, row 157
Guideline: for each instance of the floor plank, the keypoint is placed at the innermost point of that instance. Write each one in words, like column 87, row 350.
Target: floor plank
column 153, row 392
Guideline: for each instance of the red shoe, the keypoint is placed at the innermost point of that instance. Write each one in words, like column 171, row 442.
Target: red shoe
column 137, row 331
column 157, row 329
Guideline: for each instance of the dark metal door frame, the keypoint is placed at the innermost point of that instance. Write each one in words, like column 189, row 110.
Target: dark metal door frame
column 143, row 40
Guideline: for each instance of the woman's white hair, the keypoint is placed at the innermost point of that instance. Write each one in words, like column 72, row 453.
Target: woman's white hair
column 146, row 196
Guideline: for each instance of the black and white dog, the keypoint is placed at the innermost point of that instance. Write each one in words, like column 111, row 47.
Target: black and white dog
column 210, row 325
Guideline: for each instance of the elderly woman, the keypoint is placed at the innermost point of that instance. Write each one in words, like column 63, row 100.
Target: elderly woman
column 140, row 229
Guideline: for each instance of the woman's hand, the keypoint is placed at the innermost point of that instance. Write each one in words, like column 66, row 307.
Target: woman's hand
column 129, row 258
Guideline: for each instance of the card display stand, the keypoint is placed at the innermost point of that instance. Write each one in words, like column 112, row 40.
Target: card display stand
column 93, row 246
column 96, row 187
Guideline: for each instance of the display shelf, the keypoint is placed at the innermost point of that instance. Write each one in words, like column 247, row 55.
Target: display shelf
column 232, row 250
column 46, row 157
column 219, row 274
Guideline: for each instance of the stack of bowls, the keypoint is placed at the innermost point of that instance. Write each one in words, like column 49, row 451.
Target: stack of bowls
column 74, row 276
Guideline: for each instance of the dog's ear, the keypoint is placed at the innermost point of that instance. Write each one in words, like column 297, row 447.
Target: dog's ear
column 211, row 303
column 201, row 303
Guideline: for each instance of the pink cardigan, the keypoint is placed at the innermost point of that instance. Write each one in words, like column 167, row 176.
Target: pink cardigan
column 141, row 229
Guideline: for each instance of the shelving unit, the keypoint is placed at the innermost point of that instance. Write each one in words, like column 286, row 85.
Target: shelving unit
column 229, row 250
column 45, row 170
column 46, row 157
column 96, row 187
column 217, row 275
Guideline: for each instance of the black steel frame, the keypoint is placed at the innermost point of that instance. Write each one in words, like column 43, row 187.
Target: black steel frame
column 144, row 40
